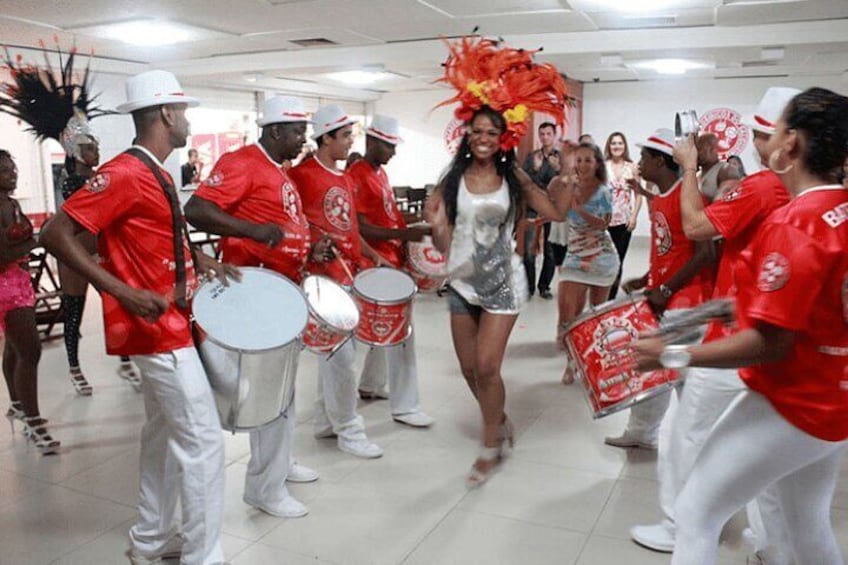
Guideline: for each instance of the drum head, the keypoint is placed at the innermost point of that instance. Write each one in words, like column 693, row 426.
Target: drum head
column 424, row 256
column 263, row 311
column 331, row 303
column 384, row 285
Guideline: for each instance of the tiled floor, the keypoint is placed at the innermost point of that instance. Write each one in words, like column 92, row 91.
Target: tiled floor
column 563, row 498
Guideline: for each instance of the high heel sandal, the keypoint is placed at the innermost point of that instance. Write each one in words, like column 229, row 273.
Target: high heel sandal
column 80, row 382
column 15, row 412
column 36, row 431
column 127, row 372
column 491, row 458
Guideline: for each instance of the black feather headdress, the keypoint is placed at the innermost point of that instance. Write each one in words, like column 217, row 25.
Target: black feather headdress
column 47, row 101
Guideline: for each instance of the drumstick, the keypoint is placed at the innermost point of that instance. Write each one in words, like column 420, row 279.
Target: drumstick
column 344, row 265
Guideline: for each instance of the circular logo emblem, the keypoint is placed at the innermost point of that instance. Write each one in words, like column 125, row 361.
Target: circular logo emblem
column 726, row 124
column 215, row 179
column 453, row 135
column 662, row 234
column 774, row 272
column 99, row 183
column 337, row 208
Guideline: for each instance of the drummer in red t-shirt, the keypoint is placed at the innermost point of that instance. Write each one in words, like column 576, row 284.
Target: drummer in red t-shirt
column 146, row 277
column 250, row 200
column 680, row 274
column 383, row 226
column 789, row 430
column 735, row 215
column 328, row 201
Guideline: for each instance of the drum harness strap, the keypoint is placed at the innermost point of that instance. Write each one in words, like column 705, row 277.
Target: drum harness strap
column 178, row 227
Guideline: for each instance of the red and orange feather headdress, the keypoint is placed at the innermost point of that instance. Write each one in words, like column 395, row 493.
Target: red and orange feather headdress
column 485, row 72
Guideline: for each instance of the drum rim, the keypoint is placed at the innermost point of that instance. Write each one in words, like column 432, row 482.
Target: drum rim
column 607, row 306
column 207, row 335
column 357, row 293
column 635, row 399
column 319, row 317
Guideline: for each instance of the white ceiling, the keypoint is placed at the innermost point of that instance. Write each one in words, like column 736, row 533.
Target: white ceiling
column 254, row 37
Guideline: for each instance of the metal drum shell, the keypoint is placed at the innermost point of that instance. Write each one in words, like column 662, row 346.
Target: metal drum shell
column 251, row 386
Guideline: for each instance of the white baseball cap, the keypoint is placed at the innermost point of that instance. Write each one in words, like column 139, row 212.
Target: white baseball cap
column 772, row 105
column 385, row 128
column 662, row 140
column 154, row 88
column 329, row 118
column 282, row 109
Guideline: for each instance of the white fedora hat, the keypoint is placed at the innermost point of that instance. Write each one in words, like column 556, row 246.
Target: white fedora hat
column 771, row 107
column 329, row 118
column 385, row 128
column 661, row 140
column 154, row 88
column 282, row 109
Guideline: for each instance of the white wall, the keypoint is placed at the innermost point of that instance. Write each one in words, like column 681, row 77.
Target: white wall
column 638, row 108
column 422, row 157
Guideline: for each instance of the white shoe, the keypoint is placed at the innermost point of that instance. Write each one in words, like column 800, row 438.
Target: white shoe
column 301, row 474
column 414, row 419
column 289, row 507
column 659, row 537
column 361, row 447
column 625, row 441
column 172, row 550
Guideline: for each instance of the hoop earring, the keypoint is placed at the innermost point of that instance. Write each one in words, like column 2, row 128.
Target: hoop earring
column 773, row 163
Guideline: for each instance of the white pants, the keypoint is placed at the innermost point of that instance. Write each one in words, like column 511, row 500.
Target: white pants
column 705, row 396
column 270, row 459
column 182, row 458
column 335, row 406
column 751, row 448
column 401, row 365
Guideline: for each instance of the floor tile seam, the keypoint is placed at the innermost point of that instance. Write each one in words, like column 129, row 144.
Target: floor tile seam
column 572, row 467
column 87, row 469
column 258, row 541
column 526, row 521
column 80, row 546
column 97, row 496
column 434, row 528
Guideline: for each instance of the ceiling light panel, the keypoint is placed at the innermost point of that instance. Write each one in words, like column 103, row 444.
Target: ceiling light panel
column 150, row 32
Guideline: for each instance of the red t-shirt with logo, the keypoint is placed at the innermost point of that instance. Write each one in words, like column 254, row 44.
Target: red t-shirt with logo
column 328, row 202
column 671, row 250
column 795, row 276
column 737, row 215
column 375, row 200
column 126, row 207
column 249, row 185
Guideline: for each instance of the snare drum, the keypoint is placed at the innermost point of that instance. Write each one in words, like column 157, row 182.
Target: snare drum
column 332, row 315
column 247, row 338
column 426, row 265
column 599, row 344
column 384, row 296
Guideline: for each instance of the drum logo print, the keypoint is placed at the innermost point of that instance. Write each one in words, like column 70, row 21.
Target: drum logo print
column 337, row 208
column 662, row 234
column 774, row 273
column 611, row 340
column 381, row 329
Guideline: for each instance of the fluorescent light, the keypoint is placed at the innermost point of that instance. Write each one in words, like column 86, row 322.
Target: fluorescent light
column 670, row 66
column 251, row 77
column 359, row 77
column 771, row 53
column 632, row 5
column 149, row 32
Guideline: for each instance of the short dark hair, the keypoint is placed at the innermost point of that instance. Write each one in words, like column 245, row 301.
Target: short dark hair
column 668, row 159
column 544, row 125
column 583, row 136
column 192, row 150
column 822, row 116
column 4, row 153
column 331, row 133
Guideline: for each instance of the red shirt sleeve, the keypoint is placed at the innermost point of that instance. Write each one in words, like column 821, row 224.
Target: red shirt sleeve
column 364, row 196
column 105, row 199
column 227, row 184
column 787, row 278
column 739, row 208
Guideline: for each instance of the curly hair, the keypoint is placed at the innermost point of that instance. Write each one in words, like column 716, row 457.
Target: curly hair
column 822, row 117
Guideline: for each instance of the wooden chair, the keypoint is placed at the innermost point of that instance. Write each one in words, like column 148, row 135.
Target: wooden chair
column 48, row 294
